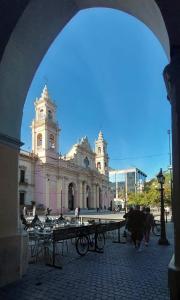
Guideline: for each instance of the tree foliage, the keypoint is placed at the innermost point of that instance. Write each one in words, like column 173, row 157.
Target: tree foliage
column 151, row 194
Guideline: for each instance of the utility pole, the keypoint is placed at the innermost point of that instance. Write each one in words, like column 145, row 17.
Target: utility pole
column 125, row 193
column 116, row 182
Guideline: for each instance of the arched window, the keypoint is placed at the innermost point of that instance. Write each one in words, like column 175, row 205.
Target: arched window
column 39, row 140
column 51, row 141
column 49, row 114
column 99, row 166
column 86, row 162
column 41, row 114
column 99, row 150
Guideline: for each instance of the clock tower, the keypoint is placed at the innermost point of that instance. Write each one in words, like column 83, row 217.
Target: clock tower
column 45, row 129
column 101, row 155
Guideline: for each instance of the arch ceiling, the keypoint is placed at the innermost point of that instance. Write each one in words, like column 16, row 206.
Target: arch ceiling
column 31, row 29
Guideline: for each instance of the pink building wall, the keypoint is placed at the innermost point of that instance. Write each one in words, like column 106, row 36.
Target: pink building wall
column 40, row 188
column 53, row 194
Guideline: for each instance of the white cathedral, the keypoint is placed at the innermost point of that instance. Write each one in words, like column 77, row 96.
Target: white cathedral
column 78, row 179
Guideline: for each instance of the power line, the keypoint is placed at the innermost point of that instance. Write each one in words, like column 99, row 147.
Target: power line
column 140, row 157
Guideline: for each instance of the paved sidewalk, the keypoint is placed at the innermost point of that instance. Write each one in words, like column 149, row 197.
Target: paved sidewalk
column 119, row 273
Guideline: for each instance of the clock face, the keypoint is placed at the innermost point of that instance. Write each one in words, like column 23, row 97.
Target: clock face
column 86, row 162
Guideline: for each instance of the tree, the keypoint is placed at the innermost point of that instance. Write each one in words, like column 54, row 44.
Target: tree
column 151, row 196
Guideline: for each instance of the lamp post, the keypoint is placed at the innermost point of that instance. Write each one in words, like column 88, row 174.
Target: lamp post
column 170, row 170
column 163, row 240
column 61, row 216
column 125, row 203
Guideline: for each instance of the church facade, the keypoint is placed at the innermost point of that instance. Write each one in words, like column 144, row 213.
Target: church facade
column 62, row 183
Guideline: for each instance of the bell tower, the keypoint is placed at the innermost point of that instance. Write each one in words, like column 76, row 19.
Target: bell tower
column 102, row 158
column 45, row 129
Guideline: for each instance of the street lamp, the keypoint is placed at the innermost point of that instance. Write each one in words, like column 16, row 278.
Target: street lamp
column 61, row 216
column 170, row 169
column 161, row 180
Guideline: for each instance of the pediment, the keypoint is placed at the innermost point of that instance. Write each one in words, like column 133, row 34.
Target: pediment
column 85, row 145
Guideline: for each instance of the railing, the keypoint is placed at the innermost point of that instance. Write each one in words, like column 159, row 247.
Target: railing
column 73, row 232
column 100, row 218
column 81, row 230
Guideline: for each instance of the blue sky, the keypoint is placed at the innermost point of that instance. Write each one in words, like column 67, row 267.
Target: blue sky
column 104, row 71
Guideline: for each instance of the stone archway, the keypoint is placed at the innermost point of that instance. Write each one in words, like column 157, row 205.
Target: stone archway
column 28, row 42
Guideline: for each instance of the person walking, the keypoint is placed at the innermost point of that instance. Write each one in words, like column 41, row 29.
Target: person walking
column 127, row 218
column 149, row 222
column 136, row 225
column 76, row 212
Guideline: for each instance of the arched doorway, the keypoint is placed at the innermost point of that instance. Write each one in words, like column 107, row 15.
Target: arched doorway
column 71, row 196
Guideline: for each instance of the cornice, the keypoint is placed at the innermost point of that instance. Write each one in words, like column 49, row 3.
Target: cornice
column 10, row 141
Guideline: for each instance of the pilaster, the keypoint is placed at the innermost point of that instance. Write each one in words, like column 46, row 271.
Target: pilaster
column 94, row 195
column 59, row 194
column 97, row 196
column 79, row 193
column 13, row 242
column 47, row 195
column 84, row 194
column 65, row 192
column 172, row 81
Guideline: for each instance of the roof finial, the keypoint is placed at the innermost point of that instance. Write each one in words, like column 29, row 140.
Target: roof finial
column 45, row 93
column 100, row 136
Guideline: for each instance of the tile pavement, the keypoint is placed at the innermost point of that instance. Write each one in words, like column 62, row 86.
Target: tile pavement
column 119, row 273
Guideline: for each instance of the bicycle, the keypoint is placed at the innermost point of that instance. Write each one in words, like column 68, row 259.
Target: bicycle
column 91, row 242
column 156, row 229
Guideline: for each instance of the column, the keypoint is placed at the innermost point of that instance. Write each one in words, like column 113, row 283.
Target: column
column 65, row 199
column 83, row 193
column 97, row 196
column 64, row 193
column 13, row 240
column 172, row 81
column 47, row 195
column 59, row 188
column 94, row 195
column 79, row 195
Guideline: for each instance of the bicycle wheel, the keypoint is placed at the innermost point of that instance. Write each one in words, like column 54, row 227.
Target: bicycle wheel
column 100, row 241
column 82, row 245
column 156, row 229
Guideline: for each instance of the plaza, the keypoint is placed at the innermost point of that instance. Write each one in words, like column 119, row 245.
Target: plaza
column 119, row 273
